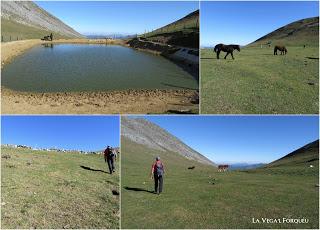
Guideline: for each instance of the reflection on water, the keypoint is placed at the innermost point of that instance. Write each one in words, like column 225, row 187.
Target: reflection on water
column 47, row 45
column 78, row 67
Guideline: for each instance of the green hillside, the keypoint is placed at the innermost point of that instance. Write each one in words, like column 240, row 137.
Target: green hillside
column 189, row 23
column 19, row 31
column 183, row 32
column 205, row 198
column 298, row 33
column 57, row 190
column 22, row 20
column 302, row 157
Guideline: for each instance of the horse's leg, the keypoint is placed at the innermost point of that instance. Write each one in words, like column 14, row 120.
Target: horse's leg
column 218, row 53
column 232, row 55
column 226, row 55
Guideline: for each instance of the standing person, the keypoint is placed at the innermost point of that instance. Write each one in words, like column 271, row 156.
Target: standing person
column 157, row 171
column 51, row 36
column 109, row 158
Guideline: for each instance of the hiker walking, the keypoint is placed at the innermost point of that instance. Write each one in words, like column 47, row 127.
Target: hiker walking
column 51, row 36
column 157, row 171
column 109, row 158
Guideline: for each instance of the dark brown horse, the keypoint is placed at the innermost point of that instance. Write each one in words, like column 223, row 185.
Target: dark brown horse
column 282, row 49
column 226, row 48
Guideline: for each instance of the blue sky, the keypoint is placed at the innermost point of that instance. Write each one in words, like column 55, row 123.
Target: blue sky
column 244, row 22
column 66, row 132
column 98, row 17
column 238, row 139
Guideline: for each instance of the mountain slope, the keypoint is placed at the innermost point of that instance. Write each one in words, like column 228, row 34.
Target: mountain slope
column 143, row 132
column 183, row 32
column 306, row 155
column 301, row 32
column 190, row 21
column 30, row 21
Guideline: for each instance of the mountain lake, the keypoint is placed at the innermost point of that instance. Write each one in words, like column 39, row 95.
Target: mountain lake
column 92, row 67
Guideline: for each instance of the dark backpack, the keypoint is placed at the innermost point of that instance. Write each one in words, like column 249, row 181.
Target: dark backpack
column 159, row 169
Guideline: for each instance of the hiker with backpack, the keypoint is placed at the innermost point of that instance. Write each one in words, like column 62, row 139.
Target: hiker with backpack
column 109, row 158
column 157, row 171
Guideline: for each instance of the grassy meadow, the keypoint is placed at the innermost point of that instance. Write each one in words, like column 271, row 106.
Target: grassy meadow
column 257, row 82
column 57, row 190
column 205, row 198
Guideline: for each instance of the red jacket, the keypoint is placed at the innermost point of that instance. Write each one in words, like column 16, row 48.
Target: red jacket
column 154, row 166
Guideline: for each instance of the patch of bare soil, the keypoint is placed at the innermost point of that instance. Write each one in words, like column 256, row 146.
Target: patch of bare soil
column 115, row 102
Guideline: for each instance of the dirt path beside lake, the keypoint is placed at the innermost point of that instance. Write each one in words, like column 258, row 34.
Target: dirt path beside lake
column 123, row 102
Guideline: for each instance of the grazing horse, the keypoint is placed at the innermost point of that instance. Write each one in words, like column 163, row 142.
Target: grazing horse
column 226, row 48
column 223, row 168
column 282, row 49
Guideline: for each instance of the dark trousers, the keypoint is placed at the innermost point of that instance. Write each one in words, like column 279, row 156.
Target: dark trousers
column 158, row 183
column 110, row 162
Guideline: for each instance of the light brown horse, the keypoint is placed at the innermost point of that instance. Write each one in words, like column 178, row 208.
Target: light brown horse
column 282, row 49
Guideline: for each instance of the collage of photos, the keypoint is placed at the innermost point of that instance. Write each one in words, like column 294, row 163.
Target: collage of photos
column 159, row 114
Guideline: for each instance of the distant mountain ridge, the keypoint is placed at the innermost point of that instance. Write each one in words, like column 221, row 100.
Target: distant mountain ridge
column 151, row 135
column 304, row 31
column 245, row 166
column 29, row 14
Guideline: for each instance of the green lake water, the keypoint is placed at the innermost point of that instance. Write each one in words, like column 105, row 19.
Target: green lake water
column 78, row 67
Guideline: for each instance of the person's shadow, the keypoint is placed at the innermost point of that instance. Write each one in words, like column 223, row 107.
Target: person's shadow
column 91, row 169
column 137, row 189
